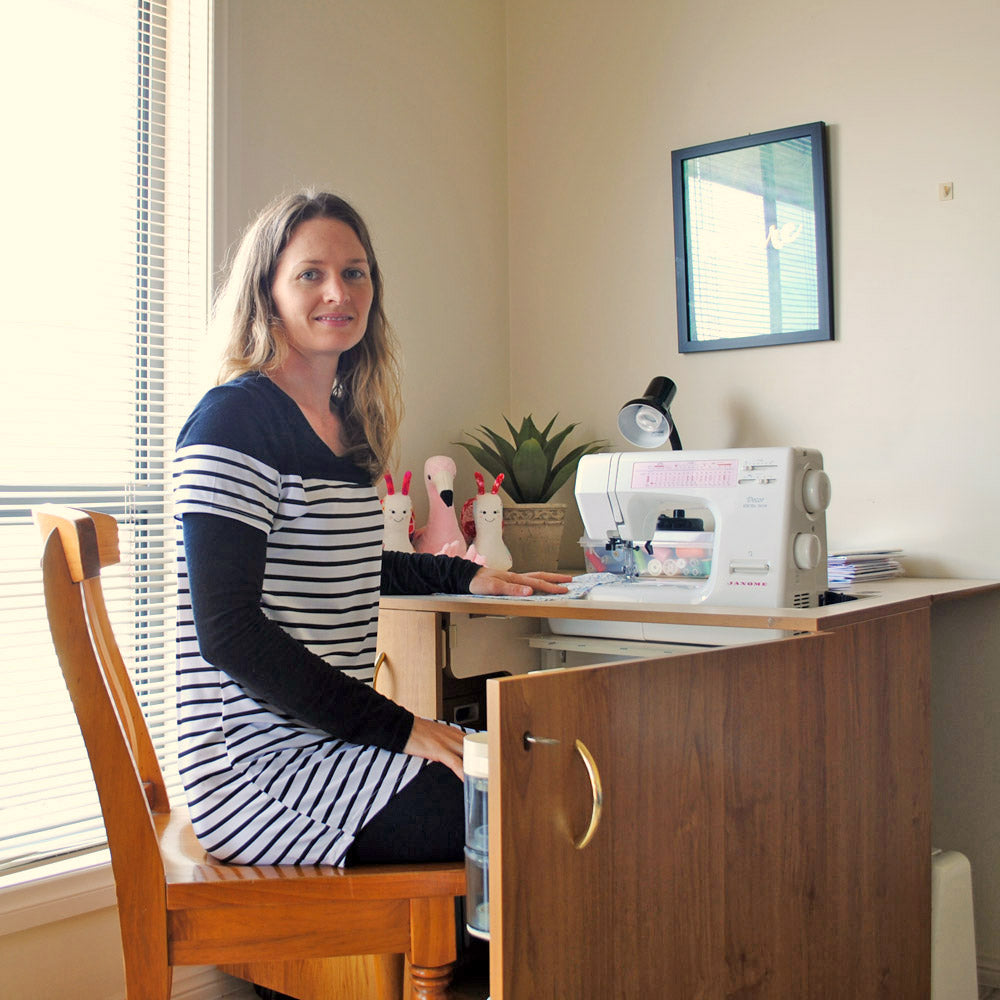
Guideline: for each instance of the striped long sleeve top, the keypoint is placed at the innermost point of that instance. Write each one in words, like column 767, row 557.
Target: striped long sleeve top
column 285, row 750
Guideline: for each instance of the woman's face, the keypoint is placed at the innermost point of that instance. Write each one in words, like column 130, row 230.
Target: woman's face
column 323, row 289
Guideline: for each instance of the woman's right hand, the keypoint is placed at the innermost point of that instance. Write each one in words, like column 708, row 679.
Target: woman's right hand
column 436, row 741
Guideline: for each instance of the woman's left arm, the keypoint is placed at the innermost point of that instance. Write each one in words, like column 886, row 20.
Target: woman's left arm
column 421, row 574
column 500, row 583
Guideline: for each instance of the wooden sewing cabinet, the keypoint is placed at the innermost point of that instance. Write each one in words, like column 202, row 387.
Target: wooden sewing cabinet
column 765, row 824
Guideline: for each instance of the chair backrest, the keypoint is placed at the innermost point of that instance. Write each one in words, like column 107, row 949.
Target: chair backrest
column 208, row 922
column 77, row 545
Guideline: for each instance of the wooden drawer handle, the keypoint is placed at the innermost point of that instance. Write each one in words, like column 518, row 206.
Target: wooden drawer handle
column 379, row 663
column 596, row 791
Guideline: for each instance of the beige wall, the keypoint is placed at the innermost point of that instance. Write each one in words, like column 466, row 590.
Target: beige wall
column 902, row 403
column 399, row 107
column 513, row 160
column 77, row 957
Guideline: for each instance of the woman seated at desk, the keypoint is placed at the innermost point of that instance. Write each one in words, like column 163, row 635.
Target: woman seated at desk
column 287, row 756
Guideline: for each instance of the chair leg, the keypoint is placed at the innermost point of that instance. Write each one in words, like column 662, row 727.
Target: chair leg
column 430, row 984
column 432, row 947
column 143, row 982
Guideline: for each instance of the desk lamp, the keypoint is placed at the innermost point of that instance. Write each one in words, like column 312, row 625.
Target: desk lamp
column 645, row 421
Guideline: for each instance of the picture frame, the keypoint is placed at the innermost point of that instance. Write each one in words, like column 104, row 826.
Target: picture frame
column 752, row 247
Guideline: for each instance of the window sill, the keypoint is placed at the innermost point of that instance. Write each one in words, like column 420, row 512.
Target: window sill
column 56, row 891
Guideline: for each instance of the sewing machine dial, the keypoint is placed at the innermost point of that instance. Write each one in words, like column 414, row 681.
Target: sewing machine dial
column 807, row 550
column 816, row 491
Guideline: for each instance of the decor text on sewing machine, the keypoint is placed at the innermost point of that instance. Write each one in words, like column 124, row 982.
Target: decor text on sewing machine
column 752, row 521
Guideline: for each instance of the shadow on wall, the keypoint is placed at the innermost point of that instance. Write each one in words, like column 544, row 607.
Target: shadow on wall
column 749, row 427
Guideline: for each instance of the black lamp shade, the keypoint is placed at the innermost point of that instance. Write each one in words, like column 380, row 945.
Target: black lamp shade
column 645, row 422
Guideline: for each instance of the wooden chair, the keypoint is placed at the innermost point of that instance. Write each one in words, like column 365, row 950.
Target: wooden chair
column 177, row 905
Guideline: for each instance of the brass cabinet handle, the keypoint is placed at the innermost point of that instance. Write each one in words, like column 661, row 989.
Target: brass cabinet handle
column 379, row 663
column 596, row 790
column 593, row 773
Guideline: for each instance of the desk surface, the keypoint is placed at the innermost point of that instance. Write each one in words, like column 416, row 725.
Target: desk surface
column 875, row 599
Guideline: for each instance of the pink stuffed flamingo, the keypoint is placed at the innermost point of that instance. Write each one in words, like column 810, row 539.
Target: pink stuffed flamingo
column 487, row 511
column 397, row 509
column 441, row 534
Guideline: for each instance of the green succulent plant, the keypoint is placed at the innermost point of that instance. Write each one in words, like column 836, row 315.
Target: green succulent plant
column 531, row 471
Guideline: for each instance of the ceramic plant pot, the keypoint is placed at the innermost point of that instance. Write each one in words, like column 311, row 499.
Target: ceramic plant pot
column 532, row 533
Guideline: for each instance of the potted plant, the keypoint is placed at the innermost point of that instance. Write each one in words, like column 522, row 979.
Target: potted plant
column 533, row 471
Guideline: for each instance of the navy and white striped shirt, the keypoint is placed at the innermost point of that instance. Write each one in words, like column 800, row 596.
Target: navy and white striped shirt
column 285, row 752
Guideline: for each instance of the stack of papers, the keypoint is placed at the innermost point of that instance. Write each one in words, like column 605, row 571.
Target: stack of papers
column 845, row 568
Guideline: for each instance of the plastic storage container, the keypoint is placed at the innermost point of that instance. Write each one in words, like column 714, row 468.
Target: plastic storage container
column 477, row 858
column 666, row 554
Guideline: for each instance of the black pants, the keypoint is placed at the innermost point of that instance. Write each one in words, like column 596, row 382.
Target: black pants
column 424, row 822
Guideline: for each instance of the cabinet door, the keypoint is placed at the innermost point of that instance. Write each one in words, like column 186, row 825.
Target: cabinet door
column 735, row 783
column 410, row 671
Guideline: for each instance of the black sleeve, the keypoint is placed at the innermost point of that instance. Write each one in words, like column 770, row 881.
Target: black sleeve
column 225, row 563
column 421, row 573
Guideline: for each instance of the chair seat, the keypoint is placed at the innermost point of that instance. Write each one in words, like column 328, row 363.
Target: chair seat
column 287, row 911
column 189, row 869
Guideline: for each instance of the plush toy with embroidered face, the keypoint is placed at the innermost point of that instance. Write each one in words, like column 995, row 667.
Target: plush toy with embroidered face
column 441, row 534
column 487, row 516
column 397, row 509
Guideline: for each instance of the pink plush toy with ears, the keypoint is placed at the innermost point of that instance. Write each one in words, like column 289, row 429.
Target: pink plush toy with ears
column 397, row 509
column 441, row 534
column 487, row 511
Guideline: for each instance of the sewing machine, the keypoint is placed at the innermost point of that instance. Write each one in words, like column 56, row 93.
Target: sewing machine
column 742, row 527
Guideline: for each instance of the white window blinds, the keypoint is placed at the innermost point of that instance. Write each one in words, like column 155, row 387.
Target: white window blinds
column 104, row 281
column 740, row 203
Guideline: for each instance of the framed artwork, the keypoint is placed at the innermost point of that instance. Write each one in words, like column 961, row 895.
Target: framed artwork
column 753, row 259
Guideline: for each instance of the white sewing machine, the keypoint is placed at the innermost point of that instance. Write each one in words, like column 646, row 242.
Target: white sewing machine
column 740, row 527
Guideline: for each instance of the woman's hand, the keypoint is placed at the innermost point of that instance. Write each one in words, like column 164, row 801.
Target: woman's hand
column 492, row 582
column 436, row 741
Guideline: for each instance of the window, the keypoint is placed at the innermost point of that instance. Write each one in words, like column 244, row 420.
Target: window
column 104, row 280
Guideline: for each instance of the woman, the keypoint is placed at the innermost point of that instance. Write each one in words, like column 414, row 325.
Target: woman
column 287, row 755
